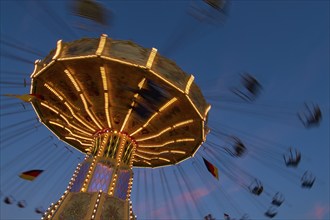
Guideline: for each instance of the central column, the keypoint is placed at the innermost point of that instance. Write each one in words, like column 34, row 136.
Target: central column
column 101, row 186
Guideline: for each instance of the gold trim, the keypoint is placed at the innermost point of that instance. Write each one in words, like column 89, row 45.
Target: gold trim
column 190, row 81
column 140, row 85
column 166, row 105
column 36, row 63
column 166, row 143
column 193, row 105
column 167, row 129
column 151, row 58
column 58, row 49
column 103, row 40
column 206, row 111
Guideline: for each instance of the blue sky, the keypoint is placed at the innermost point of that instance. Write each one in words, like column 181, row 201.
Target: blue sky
column 284, row 44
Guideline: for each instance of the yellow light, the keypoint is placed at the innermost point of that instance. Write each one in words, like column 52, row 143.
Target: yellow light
column 76, row 117
column 178, row 151
column 75, row 84
column 166, row 105
column 156, row 135
column 165, row 80
column 55, row 123
column 77, row 57
column 190, row 81
column 88, row 111
column 126, row 119
column 194, row 106
column 154, row 115
column 203, row 132
column 31, row 89
column 73, row 134
column 35, row 74
column 141, row 156
column 207, row 111
column 151, row 58
column 157, row 145
column 185, row 140
column 183, row 123
column 104, row 78
column 49, row 107
column 164, row 159
column 166, row 143
column 58, row 49
column 140, row 85
column 102, row 42
column 161, row 152
column 81, row 137
column 53, row 91
column 148, row 152
column 72, row 138
column 75, row 127
column 106, row 108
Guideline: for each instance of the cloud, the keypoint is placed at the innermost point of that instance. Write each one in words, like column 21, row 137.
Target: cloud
column 319, row 211
column 184, row 199
column 196, row 194
column 234, row 189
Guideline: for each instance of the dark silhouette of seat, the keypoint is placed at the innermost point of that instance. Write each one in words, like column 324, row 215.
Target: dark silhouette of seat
column 250, row 88
column 21, row 204
column 311, row 116
column 39, row 210
column 9, row 200
column 236, row 148
column 278, row 199
column 292, row 158
column 270, row 213
column 219, row 5
column 307, row 180
column 256, row 187
column 91, row 10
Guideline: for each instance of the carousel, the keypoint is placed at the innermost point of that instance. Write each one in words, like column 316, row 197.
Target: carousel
column 122, row 105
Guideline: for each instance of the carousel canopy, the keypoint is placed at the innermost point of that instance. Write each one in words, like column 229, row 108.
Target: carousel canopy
column 90, row 86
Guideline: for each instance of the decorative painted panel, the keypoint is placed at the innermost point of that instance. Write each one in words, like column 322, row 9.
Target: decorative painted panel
column 101, row 178
column 122, row 183
column 77, row 207
column 113, row 209
column 80, row 177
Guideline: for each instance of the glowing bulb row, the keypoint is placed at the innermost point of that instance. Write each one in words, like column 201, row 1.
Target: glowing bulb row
column 96, row 204
column 51, row 210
